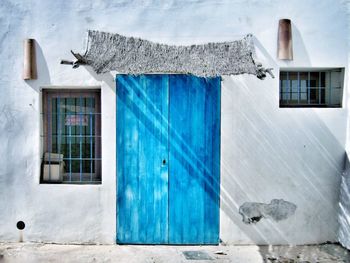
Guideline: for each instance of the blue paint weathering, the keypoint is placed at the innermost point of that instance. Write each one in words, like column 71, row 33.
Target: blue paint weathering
column 194, row 160
column 142, row 142
column 168, row 146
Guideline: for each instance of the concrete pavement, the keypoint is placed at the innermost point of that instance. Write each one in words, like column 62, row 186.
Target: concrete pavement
column 38, row 252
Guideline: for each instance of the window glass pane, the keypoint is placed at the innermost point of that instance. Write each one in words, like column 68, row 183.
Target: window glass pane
column 295, row 96
column 283, row 82
column 293, row 80
column 323, row 79
column 303, row 81
column 323, row 96
column 303, row 97
column 303, row 86
column 286, row 96
column 314, row 79
column 313, row 95
column 285, row 87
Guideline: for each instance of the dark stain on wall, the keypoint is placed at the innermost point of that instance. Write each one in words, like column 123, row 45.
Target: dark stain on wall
column 277, row 210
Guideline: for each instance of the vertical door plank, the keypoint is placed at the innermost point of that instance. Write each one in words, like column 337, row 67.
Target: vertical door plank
column 212, row 161
column 194, row 155
column 178, row 162
column 142, row 143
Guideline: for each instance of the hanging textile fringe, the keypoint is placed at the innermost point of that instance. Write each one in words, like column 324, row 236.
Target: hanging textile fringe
column 106, row 52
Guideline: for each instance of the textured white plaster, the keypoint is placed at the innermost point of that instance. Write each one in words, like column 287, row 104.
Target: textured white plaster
column 266, row 152
column 344, row 207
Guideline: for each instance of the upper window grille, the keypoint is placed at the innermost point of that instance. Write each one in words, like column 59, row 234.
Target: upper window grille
column 72, row 136
column 311, row 88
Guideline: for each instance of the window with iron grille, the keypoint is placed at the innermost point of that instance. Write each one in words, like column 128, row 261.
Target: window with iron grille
column 72, row 136
column 322, row 88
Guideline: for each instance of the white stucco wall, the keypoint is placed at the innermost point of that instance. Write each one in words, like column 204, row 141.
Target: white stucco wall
column 266, row 152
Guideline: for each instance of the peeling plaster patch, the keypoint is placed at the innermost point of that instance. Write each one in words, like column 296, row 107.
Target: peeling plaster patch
column 88, row 19
column 9, row 117
column 278, row 210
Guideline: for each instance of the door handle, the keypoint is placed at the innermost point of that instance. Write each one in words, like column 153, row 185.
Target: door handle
column 164, row 162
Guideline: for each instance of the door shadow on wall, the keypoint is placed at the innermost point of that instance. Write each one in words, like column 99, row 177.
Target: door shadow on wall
column 42, row 79
column 182, row 152
column 107, row 77
column 281, row 152
column 309, row 179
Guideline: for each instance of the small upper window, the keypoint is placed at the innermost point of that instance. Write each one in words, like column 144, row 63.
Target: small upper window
column 72, row 136
column 311, row 88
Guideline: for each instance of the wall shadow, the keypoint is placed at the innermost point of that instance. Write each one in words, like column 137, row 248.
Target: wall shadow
column 107, row 77
column 316, row 133
column 43, row 79
column 277, row 146
column 298, row 44
column 188, row 157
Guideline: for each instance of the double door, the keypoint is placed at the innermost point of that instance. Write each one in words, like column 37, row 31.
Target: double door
column 168, row 159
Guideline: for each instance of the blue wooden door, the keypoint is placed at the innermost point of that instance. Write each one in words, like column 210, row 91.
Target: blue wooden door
column 194, row 170
column 168, row 154
column 142, row 145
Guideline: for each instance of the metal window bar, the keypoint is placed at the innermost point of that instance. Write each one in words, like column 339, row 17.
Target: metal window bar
column 58, row 105
column 80, row 140
column 65, row 128
column 84, row 159
column 299, row 87
column 281, row 95
column 78, row 113
column 70, row 152
column 49, row 135
column 91, row 139
column 73, row 136
column 308, row 87
column 330, row 88
column 54, row 124
column 319, row 88
column 289, row 89
column 281, row 91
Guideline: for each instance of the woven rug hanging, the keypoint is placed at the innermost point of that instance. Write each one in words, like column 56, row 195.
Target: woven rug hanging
column 113, row 52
